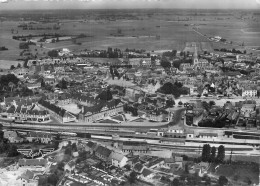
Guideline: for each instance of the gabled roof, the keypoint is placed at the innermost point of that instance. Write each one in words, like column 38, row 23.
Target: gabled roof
column 117, row 156
column 138, row 167
column 146, row 172
column 103, row 151
column 11, row 109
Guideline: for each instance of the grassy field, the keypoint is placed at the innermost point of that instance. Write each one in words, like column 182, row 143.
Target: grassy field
column 239, row 174
column 173, row 34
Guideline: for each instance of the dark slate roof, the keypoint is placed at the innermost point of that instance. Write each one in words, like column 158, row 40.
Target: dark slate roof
column 11, row 109
column 138, row 167
column 103, row 151
column 91, row 144
column 102, row 105
column 146, row 172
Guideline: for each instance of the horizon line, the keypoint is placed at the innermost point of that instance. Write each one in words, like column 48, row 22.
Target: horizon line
column 160, row 8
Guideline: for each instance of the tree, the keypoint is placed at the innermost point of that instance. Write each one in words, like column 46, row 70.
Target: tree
column 68, row 150
column 11, row 85
column 207, row 179
column 165, row 63
column 212, row 103
column 53, row 179
column 24, row 46
column 186, row 168
column 221, row 154
column 63, row 84
column 60, row 166
column 213, row 154
column 12, row 151
column 170, row 103
column 42, row 83
column 132, row 177
column 205, row 105
column 174, row 89
column 105, row 95
column 205, row 153
column 175, row 182
column 19, row 65
column 12, row 67
column 222, row 180
column 74, row 147
column 53, row 53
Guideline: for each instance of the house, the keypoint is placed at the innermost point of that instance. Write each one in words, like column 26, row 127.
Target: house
column 176, row 163
column 200, row 168
column 28, row 178
column 158, row 162
column 158, row 115
column 147, row 174
column 32, row 163
column 249, row 92
column 22, row 110
column 134, row 147
column 133, row 160
column 103, row 153
column 118, row 159
column 134, row 92
column 70, row 166
column 208, row 135
column 40, row 137
column 138, row 167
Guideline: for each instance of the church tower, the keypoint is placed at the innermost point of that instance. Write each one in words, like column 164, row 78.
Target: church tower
column 195, row 56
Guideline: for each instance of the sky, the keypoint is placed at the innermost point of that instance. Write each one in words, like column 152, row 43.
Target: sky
column 128, row 4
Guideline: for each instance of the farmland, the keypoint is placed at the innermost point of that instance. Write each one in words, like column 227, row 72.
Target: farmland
column 147, row 29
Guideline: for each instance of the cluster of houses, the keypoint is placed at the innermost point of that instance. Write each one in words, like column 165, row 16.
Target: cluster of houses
column 15, row 137
column 239, row 114
column 23, row 109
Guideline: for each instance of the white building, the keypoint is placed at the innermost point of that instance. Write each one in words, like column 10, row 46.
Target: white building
column 118, row 159
column 249, row 93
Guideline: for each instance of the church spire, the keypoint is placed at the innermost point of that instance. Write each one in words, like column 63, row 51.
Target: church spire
column 195, row 56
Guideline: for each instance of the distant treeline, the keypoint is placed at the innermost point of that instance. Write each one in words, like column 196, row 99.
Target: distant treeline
column 3, row 48
column 121, row 66
column 18, row 37
column 234, row 51
column 45, row 36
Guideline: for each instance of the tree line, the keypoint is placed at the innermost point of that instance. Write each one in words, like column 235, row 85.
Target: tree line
column 234, row 51
column 211, row 154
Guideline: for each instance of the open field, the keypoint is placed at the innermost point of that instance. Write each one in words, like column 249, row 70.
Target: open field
column 6, row 64
column 240, row 173
column 147, row 29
